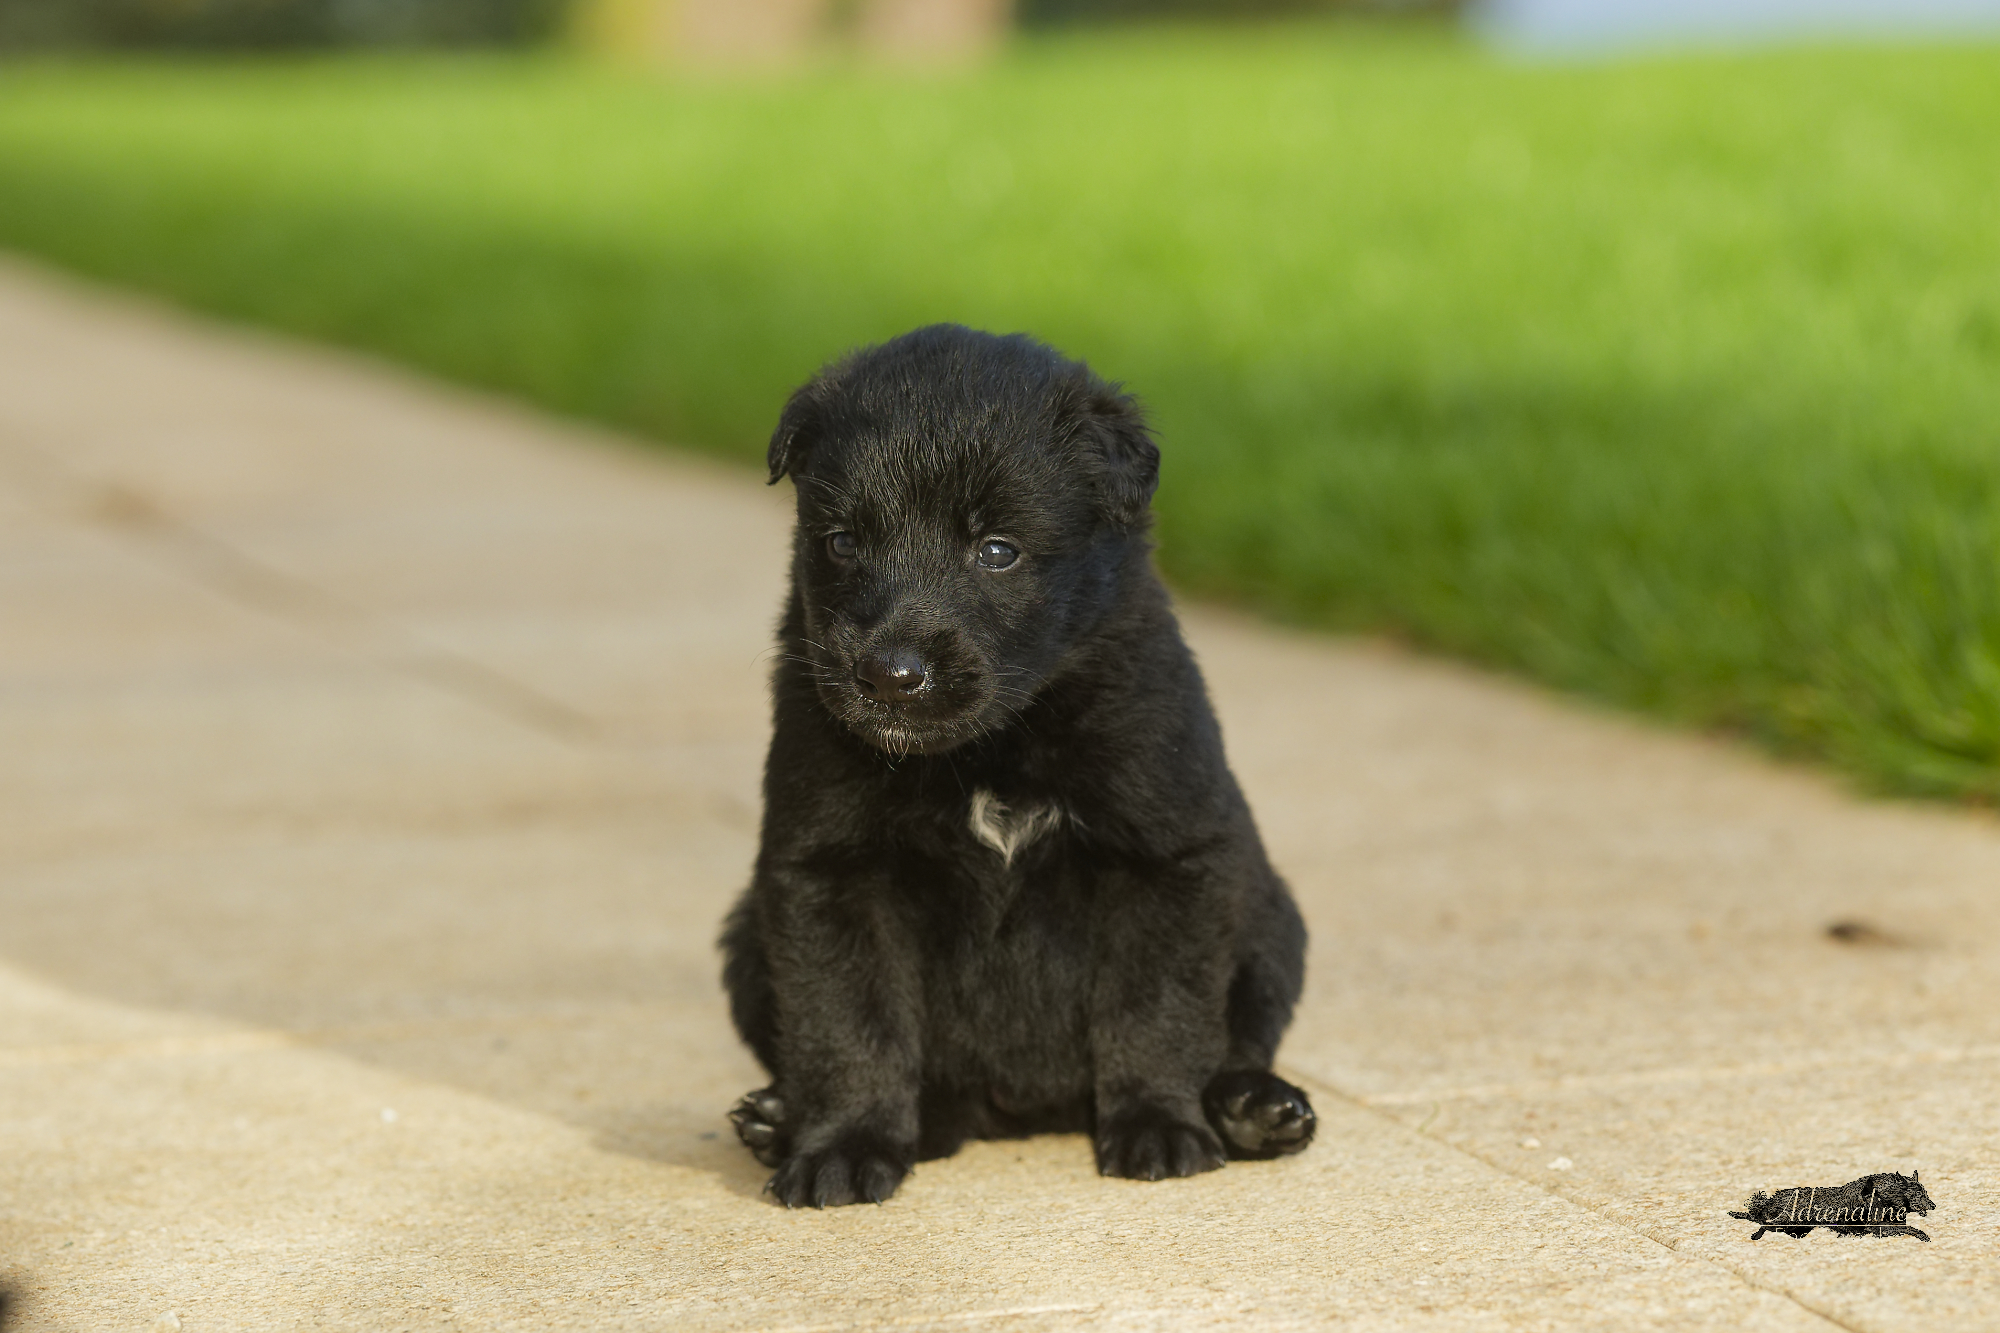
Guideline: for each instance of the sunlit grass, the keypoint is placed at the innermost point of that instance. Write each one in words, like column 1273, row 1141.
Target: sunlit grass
column 1675, row 381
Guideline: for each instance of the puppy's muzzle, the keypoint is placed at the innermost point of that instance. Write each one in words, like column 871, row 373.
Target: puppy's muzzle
column 895, row 677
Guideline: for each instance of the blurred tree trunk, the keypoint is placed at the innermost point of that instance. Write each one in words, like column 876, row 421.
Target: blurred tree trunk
column 933, row 29
column 768, row 32
column 701, row 32
column 745, row 32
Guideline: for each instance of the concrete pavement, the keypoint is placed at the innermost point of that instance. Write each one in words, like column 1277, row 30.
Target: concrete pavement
column 376, row 762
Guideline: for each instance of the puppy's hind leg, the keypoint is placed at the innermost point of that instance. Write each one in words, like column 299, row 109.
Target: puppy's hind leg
column 759, row 1117
column 746, row 976
column 1256, row 1114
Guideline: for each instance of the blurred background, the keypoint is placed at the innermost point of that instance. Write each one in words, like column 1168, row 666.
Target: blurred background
column 696, row 28
column 1650, row 349
column 702, row 29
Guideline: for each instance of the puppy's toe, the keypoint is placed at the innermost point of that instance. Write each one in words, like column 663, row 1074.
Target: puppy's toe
column 1151, row 1144
column 856, row 1169
column 1258, row 1114
column 760, row 1122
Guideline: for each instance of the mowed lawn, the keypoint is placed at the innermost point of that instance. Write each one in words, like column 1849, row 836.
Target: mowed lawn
column 1672, row 380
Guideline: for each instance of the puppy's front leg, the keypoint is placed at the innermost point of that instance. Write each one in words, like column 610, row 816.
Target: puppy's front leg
column 1159, row 1026
column 847, row 996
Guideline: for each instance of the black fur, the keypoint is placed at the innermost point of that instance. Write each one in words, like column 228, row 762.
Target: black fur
column 1126, row 962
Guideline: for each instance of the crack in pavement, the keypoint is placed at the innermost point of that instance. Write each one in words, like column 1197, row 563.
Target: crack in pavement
column 1642, row 1078
column 223, row 568
column 1376, row 1108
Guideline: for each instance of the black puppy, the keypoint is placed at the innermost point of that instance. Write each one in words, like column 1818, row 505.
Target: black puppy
column 1007, row 883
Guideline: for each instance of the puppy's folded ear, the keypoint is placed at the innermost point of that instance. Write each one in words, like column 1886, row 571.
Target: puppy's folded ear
column 798, row 427
column 1111, row 422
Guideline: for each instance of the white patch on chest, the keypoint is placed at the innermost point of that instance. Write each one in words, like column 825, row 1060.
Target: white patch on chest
column 1007, row 831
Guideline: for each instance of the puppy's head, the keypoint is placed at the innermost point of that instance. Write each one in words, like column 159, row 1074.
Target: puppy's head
column 970, row 508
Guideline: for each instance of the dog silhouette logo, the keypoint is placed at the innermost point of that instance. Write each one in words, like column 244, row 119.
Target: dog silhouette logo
column 1877, row 1205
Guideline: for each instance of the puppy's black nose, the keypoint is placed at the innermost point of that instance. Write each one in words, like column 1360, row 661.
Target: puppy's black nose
column 894, row 678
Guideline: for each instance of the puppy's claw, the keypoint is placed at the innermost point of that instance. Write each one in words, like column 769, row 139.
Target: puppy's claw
column 1150, row 1144
column 833, row 1183
column 857, row 1169
column 878, row 1180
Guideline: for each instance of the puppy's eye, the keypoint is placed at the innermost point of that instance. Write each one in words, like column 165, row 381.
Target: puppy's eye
column 842, row 546
column 996, row 555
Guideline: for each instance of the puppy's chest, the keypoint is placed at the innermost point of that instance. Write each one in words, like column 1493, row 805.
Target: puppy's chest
column 994, row 864
column 1011, row 961
column 1008, row 829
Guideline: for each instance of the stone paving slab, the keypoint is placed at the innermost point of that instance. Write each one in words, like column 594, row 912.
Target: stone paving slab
column 377, row 761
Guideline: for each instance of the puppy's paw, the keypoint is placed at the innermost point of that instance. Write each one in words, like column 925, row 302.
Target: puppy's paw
column 1147, row 1143
column 760, row 1122
column 1258, row 1114
column 855, row 1168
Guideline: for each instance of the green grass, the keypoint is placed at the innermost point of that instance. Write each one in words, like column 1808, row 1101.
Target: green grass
column 1674, row 381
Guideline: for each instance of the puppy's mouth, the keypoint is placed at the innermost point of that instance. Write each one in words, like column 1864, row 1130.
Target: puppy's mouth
column 899, row 729
column 906, row 740
column 942, row 715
